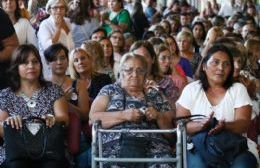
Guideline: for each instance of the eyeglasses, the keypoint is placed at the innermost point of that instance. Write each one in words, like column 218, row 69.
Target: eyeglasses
column 216, row 62
column 55, row 8
column 138, row 71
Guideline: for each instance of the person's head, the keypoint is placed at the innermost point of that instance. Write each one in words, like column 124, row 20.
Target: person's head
column 108, row 50
column 95, row 50
column 198, row 31
column 80, row 62
column 145, row 49
column 164, row 58
column 132, row 71
column 166, row 25
column 115, row 5
column 213, row 34
column 98, row 34
column 246, row 29
column 184, row 41
column 175, row 23
column 11, row 7
column 78, row 15
column 118, row 41
column 57, row 58
column 172, row 45
column 207, row 24
column 25, row 65
column 218, row 21
column 129, row 40
column 251, row 10
column 57, row 7
column 217, row 68
column 185, row 19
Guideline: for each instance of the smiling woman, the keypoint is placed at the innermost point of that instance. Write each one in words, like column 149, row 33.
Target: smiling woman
column 216, row 95
column 28, row 95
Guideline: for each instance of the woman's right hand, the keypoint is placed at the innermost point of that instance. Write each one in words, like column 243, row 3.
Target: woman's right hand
column 132, row 114
column 14, row 121
column 58, row 20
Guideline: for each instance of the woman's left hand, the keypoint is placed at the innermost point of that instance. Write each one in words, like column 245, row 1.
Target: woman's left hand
column 49, row 120
column 151, row 114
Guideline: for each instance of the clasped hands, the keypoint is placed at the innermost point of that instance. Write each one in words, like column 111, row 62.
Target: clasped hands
column 135, row 115
column 16, row 121
column 205, row 123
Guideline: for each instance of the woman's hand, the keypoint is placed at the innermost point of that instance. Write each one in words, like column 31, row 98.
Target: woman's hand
column 218, row 128
column 49, row 120
column 14, row 121
column 58, row 20
column 150, row 84
column 151, row 114
column 132, row 114
column 204, row 123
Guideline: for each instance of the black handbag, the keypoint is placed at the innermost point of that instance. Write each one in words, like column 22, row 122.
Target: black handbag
column 34, row 141
column 133, row 147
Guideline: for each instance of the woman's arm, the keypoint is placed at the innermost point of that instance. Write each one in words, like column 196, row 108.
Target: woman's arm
column 109, row 119
column 3, row 116
column 241, row 121
column 61, row 110
column 193, row 126
column 83, row 102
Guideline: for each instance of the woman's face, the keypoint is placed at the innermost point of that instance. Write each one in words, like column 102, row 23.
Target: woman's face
column 9, row 6
column 184, row 44
column 133, row 74
column 117, row 40
column 237, row 66
column 58, row 9
column 165, row 61
column 171, row 45
column 145, row 53
column 114, row 5
column 197, row 32
column 81, row 62
column 60, row 64
column 107, row 46
column 217, row 68
column 30, row 70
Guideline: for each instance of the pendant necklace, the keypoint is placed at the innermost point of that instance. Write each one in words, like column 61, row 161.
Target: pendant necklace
column 30, row 101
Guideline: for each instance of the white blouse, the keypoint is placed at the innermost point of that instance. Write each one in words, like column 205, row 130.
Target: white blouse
column 194, row 99
column 25, row 32
column 46, row 31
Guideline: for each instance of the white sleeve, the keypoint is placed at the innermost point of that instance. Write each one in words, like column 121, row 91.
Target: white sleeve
column 241, row 96
column 185, row 100
column 30, row 34
column 45, row 35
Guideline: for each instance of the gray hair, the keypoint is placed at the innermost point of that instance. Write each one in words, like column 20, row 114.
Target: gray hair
column 131, row 55
column 52, row 2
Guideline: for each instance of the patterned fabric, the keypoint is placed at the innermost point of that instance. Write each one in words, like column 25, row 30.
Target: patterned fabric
column 169, row 89
column 15, row 105
column 120, row 100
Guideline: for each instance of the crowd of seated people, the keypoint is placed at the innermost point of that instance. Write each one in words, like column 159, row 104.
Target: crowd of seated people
column 82, row 61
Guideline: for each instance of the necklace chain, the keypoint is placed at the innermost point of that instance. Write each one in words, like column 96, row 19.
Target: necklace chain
column 30, row 101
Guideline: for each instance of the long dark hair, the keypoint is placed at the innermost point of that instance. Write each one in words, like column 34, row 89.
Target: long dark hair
column 19, row 56
column 80, row 13
column 17, row 12
column 111, row 60
column 202, row 75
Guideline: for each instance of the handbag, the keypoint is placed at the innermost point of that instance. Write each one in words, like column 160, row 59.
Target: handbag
column 133, row 147
column 73, row 136
column 34, row 141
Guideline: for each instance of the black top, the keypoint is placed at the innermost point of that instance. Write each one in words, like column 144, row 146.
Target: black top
column 6, row 28
column 98, row 81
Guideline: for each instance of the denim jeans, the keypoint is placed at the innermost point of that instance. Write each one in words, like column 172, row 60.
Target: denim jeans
column 243, row 160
